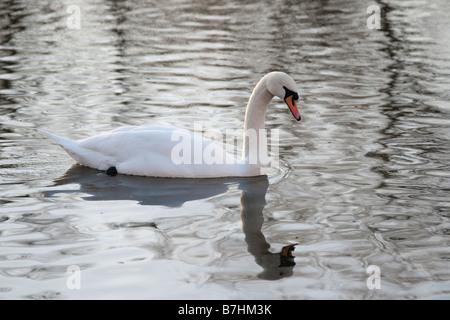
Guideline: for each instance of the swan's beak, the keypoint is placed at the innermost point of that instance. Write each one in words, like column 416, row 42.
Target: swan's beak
column 286, row 251
column 292, row 104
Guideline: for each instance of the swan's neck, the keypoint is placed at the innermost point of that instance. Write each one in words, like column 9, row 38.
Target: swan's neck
column 255, row 139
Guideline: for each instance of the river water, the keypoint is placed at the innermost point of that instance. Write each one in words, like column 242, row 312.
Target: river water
column 364, row 179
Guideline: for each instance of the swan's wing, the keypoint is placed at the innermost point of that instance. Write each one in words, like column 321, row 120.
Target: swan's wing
column 161, row 151
column 130, row 141
column 144, row 128
column 135, row 141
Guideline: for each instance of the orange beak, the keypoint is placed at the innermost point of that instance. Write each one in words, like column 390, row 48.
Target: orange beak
column 287, row 250
column 292, row 104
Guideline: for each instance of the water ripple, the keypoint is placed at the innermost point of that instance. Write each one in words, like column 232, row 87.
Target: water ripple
column 363, row 178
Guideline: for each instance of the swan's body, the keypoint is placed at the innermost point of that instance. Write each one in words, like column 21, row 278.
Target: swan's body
column 156, row 151
column 147, row 151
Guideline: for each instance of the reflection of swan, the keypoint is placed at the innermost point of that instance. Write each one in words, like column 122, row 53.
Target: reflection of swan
column 175, row 192
column 145, row 190
column 275, row 265
column 166, row 152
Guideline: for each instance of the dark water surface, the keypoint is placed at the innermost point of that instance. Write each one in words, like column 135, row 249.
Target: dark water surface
column 364, row 178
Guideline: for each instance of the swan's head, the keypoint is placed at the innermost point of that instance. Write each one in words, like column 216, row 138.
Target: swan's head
column 283, row 86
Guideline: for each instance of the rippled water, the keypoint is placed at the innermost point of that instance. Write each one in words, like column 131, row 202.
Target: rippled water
column 365, row 176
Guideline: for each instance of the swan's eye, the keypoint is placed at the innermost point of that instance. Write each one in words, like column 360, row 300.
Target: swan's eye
column 290, row 93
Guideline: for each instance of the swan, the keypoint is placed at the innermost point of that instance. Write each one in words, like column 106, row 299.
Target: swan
column 158, row 151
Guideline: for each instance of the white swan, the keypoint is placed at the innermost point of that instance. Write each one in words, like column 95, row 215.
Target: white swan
column 157, row 151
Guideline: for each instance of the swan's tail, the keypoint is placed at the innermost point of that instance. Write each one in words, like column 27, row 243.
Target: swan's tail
column 69, row 145
column 84, row 156
column 66, row 143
